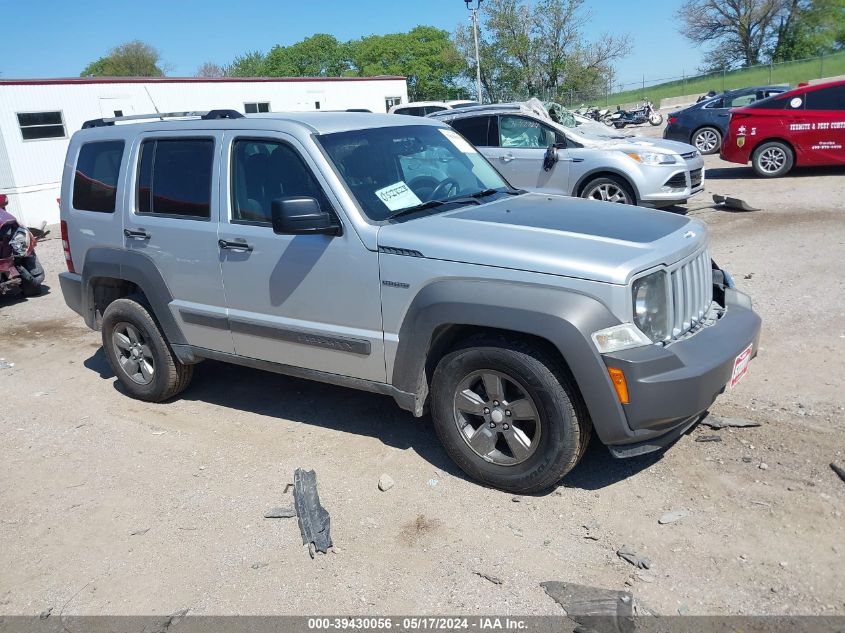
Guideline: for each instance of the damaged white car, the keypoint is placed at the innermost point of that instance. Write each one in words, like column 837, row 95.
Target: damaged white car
column 534, row 152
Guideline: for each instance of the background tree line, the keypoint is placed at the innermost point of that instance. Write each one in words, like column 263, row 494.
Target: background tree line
column 527, row 48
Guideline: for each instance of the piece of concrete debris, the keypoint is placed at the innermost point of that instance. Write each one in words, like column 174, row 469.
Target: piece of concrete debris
column 314, row 520
column 288, row 512
column 629, row 555
column 385, row 482
column 838, row 470
column 139, row 532
column 709, row 438
column 494, row 579
column 592, row 607
column 259, row 564
column 671, row 517
column 45, row 614
column 715, row 422
column 6, row 365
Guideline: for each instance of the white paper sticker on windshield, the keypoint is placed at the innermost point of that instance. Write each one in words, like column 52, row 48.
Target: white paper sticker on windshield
column 398, row 196
column 458, row 141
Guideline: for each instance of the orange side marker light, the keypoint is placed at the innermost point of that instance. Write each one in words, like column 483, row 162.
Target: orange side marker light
column 617, row 377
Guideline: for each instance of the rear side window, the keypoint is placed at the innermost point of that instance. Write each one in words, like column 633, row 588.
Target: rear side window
column 832, row 98
column 174, row 177
column 95, row 179
column 473, row 129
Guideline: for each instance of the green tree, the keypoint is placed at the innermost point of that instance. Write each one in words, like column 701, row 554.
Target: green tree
column 320, row 55
column 247, row 65
column 539, row 49
column 132, row 59
column 810, row 28
column 425, row 55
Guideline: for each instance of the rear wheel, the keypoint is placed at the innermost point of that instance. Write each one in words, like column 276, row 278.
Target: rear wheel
column 139, row 354
column 608, row 189
column 31, row 282
column 707, row 140
column 772, row 159
column 507, row 414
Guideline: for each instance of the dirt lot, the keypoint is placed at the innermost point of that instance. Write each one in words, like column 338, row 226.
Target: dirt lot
column 113, row 506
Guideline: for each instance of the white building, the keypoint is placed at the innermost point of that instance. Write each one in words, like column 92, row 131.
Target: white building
column 37, row 117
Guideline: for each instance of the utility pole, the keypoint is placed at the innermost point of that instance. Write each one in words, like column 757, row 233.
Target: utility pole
column 473, row 14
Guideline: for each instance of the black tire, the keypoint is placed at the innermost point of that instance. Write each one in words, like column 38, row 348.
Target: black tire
column 592, row 189
column 773, row 159
column 170, row 377
column 702, row 140
column 34, row 277
column 563, row 422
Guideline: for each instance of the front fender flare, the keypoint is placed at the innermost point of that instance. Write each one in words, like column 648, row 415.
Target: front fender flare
column 564, row 318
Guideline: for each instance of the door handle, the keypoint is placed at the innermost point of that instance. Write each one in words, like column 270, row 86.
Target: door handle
column 137, row 234
column 506, row 158
column 236, row 245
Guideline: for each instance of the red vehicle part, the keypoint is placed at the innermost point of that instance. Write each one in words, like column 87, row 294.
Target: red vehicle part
column 19, row 267
column 805, row 126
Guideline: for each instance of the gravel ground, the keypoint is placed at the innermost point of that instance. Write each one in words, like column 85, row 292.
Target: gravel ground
column 113, row 506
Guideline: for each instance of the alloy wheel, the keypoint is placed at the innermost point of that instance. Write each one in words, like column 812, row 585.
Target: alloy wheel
column 133, row 353
column 772, row 160
column 608, row 192
column 706, row 141
column 497, row 418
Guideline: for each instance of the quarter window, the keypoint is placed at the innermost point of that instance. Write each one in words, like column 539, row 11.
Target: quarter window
column 263, row 171
column 174, row 177
column 38, row 125
column 832, row 98
column 95, row 179
column 256, row 107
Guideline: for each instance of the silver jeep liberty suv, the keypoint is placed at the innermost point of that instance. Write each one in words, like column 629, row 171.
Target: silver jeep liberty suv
column 384, row 253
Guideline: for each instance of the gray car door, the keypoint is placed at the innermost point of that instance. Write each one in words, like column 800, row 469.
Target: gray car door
column 311, row 301
column 522, row 145
column 172, row 220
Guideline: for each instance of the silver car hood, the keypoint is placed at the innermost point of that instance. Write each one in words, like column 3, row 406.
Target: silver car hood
column 634, row 143
column 550, row 234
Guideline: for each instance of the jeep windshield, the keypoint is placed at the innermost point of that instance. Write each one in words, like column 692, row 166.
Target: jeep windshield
column 397, row 170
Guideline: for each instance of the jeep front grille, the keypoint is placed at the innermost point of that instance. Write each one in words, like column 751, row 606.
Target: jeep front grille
column 692, row 292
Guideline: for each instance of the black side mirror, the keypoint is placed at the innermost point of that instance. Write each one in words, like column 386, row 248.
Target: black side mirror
column 302, row 216
column 551, row 158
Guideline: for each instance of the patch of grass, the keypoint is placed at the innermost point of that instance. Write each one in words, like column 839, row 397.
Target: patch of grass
column 791, row 73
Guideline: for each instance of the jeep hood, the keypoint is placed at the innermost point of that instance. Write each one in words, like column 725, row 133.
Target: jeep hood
column 556, row 235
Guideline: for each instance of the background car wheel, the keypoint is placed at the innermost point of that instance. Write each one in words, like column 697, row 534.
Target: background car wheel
column 31, row 287
column 139, row 354
column 707, row 140
column 608, row 189
column 508, row 415
column 772, row 159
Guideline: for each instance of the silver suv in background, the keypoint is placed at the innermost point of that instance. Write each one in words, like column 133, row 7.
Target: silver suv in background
column 535, row 153
column 385, row 253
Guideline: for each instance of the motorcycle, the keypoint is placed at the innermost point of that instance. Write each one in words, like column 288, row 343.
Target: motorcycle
column 643, row 114
column 19, row 265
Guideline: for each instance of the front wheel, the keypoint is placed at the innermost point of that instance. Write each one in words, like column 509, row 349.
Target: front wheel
column 655, row 118
column 772, row 159
column 139, row 354
column 608, row 189
column 508, row 415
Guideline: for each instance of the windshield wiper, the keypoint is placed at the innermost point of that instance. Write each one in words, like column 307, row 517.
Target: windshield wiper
column 431, row 204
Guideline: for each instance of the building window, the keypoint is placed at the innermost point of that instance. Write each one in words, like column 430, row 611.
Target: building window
column 389, row 102
column 95, row 179
column 254, row 108
column 174, row 177
column 316, row 105
column 38, row 125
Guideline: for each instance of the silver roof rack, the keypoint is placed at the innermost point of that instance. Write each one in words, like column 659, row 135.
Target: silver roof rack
column 207, row 115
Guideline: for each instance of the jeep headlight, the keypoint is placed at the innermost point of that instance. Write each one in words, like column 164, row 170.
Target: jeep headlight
column 651, row 306
column 20, row 242
column 653, row 158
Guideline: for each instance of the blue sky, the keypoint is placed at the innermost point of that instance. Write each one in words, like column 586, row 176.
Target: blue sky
column 58, row 39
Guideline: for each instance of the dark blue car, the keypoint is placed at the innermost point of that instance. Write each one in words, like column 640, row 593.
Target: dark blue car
column 704, row 124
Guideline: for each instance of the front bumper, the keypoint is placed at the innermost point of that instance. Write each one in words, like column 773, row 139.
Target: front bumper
column 671, row 386
column 672, row 184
